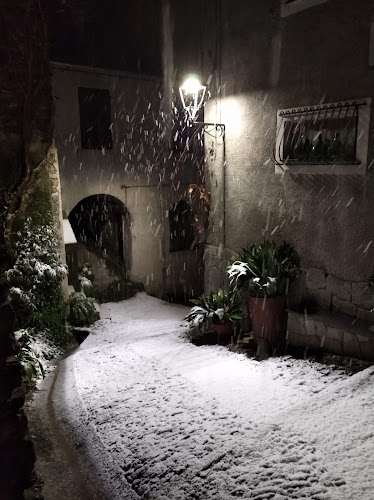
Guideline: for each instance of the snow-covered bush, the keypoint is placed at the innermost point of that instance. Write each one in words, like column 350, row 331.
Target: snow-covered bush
column 35, row 281
column 35, row 353
column 82, row 310
column 28, row 357
column 86, row 278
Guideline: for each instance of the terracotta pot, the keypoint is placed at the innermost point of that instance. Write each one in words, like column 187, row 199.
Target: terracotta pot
column 267, row 315
column 223, row 331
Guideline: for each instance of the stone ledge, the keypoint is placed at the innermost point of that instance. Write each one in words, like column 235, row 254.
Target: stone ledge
column 344, row 307
column 332, row 332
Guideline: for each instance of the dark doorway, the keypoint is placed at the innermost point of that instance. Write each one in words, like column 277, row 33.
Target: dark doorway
column 98, row 222
column 181, row 227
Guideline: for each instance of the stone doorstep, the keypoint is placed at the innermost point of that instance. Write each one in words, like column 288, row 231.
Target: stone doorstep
column 334, row 332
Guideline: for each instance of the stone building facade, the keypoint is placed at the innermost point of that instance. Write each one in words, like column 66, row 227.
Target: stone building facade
column 140, row 173
column 263, row 60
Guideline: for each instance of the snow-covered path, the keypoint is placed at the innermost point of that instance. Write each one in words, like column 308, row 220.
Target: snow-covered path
column 176, row 421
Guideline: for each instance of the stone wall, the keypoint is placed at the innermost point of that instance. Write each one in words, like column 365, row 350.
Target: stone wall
column 141, row 171
column 355, row 299
column 216, row 260
column 331, row 315
column 328, row 218
column 333, row 333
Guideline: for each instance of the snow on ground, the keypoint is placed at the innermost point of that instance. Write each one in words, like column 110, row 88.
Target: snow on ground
column 176, row 421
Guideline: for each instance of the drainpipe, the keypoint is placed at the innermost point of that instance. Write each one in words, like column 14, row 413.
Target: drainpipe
column 223, row 189
column 168, row 83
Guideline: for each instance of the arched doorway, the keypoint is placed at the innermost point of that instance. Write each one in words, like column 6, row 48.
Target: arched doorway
column 98, row 222
column 101, row 227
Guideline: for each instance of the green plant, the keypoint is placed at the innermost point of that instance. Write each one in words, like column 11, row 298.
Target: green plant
column 82, row 310
column 29, row 358
column 35, row 280
column 215, row 308
column 264, row 270
column 86, row 278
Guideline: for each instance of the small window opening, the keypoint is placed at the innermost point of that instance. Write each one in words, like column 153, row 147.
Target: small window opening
column 95, row 118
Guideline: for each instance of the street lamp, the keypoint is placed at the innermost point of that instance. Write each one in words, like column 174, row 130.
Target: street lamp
column 192, row 95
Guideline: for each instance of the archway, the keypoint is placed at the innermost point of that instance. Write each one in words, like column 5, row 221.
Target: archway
column 101, row 226
column 98, row 222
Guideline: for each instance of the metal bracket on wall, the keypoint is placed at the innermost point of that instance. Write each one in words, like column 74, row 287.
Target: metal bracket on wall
column 210, row 128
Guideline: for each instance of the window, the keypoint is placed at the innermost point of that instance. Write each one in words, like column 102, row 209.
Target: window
column 95, row 118
column 328, row 138
column 289, row 7
column 181, row 227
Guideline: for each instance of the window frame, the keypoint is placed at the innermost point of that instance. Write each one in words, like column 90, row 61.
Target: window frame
column 281, row 167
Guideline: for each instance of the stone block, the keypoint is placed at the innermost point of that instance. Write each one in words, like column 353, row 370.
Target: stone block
column 214, row 278
column 292, row 322
column 313, row 342
column 321, row 299
column 335, row 334
column 351, row 345
column 362, row 295
column 365, row 315
column 309, row 326
column 295, row 323
column 362, row 339
column 310, row 341
column 333, row 346
column 210, row 251
column 294, row 339
column 343, row 306
column 341, row 289
column 321, row 330
column 315, row 279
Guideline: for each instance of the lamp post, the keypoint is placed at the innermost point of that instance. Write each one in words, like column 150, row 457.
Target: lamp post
column 192, row 95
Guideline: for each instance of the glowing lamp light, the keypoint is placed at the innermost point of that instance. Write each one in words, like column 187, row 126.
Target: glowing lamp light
column 192, row 96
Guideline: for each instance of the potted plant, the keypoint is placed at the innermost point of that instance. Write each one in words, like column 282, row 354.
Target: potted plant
column 264, row 271
column 216, row 311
